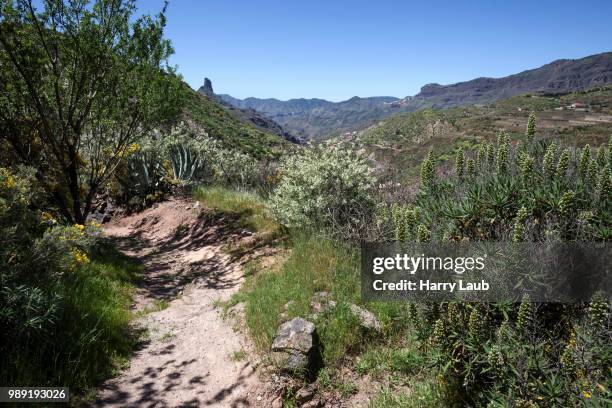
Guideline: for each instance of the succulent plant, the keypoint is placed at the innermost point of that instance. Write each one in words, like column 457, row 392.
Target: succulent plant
column 186, row 162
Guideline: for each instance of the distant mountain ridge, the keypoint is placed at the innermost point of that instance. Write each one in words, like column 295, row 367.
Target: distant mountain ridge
column 318, row 118
column 314, row 118
column 560, row 76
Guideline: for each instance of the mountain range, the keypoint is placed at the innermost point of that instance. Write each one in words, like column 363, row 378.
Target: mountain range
column 319, row 118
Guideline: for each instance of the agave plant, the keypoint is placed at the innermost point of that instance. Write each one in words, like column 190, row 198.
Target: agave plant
column 185, row 161
column 143, row 174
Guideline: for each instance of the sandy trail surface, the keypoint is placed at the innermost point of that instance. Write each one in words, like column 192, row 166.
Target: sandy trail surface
column 190, row 356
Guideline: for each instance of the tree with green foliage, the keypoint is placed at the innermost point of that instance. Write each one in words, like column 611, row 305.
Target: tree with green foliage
column 80, row 82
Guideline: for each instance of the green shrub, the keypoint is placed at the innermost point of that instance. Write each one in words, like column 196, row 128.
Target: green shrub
column 325, row 187
column 485, row 205
column 64, row 295
column 159, row 165
column 515, row 354
column 79, row 334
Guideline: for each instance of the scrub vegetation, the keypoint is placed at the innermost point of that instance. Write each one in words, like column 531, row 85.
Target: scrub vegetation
column 451, row 354
column 92, row 117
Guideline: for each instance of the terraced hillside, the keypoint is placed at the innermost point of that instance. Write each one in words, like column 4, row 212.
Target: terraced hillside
column 403, row 140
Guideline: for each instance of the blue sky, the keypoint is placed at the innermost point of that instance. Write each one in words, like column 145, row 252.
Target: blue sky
column 338, row 49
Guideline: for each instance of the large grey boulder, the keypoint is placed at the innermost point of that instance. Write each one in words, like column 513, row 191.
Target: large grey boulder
column 294, row 347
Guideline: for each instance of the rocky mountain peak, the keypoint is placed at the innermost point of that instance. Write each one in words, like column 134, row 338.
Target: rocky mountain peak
column 207, row 87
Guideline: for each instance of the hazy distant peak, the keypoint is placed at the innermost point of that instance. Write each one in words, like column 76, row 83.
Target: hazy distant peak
column 207, row 88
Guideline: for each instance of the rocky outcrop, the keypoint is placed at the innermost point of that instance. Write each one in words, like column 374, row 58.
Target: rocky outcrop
column 295, row 346
column 207, row 88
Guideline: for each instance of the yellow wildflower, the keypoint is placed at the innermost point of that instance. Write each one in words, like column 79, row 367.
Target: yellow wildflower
column 129, row 150
column 79, row 257
column 10, row 182
column 586, row 394
column 95, row 224
column 133, row 148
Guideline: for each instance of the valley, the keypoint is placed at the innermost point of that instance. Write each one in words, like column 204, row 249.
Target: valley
column 318, row 119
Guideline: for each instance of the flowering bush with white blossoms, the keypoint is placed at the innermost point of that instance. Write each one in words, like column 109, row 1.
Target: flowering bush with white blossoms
column 325, row 187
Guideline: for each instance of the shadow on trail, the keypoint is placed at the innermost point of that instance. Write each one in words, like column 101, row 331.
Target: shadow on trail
column 150, row 393
column 181, row 370
column 165, row 272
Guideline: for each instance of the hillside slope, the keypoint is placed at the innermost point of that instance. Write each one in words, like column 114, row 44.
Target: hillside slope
column 206, row 115
column 248, row 115
column 560, row 76
column 402, row 141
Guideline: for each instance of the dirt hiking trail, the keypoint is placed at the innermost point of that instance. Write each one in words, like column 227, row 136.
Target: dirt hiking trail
column 186, row 360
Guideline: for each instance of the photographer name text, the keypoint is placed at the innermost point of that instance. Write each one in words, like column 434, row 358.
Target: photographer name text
column 428, row 285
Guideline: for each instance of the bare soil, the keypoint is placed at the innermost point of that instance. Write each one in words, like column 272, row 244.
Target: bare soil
column 192, row 356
